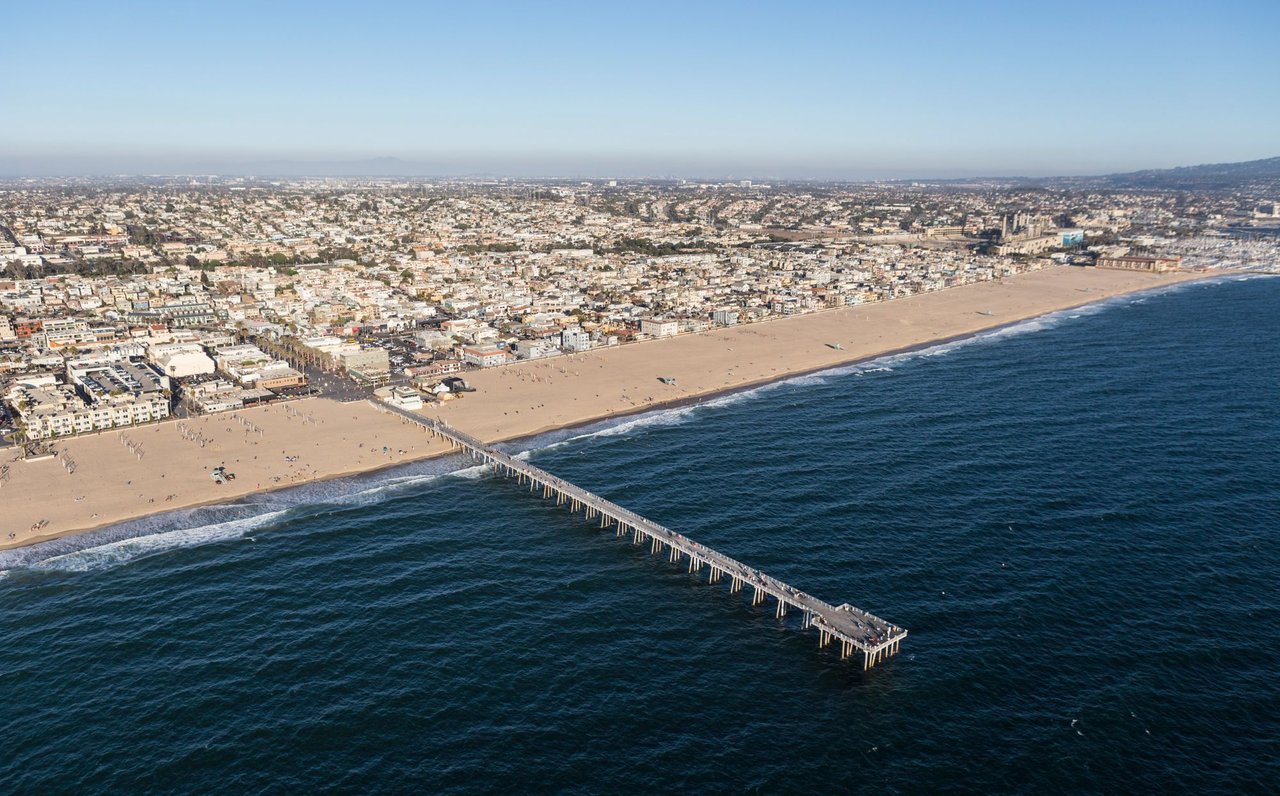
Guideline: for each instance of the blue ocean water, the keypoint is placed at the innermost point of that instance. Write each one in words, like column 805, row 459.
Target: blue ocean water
column 1077, row 518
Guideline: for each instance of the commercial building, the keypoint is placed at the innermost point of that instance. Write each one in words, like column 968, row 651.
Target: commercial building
column 181, row 360
column 441, row 367
column 116, row 397
column 250, row 366
column 1132, row 262
column 217, row 395
column 102, row 380
column 366, row 360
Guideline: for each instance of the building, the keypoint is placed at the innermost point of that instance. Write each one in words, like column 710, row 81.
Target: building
column 279, row 376
column 575, row 340
column 441, row 367
column 486, row 356
column 1035, row 245
column 366, row 360
column 177, row 314
column 725, row 317
column 402, row 397
column 1132, row 262
column 217, row 395
column 656, row 327
column 62, row 332
column 181, row 360
column 103, row 380
column 250, row 366
column 26, row 327
column 536, row 349
column 46, row 409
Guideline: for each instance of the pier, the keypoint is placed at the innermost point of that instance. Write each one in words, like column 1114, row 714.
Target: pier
column 854, row 630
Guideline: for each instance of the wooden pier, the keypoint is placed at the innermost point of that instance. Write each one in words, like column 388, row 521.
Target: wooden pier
column 854, row 629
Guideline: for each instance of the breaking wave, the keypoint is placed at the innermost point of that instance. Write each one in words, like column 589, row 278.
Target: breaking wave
column 118, row 552
column 118, row 544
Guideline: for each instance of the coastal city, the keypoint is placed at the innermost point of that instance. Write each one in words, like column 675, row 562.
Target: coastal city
column 128, row 302
column 487, row 398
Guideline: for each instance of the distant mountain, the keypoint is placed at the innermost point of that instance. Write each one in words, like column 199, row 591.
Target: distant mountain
column 1211, row 176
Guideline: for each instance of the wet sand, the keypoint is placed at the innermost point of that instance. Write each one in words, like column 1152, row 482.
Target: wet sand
column 121, row 475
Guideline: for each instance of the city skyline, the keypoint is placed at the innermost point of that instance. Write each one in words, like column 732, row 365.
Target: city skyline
column 827, row 91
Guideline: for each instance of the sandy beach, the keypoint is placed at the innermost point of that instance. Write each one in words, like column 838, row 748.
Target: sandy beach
column 112, row 476
column 106, row 478
column 533, row 397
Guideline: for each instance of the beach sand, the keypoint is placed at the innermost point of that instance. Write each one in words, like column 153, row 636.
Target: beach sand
column 532, row 397
column 297, row 442
column 267, row 448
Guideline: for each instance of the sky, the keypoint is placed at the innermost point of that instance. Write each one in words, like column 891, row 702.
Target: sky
column 743, row 89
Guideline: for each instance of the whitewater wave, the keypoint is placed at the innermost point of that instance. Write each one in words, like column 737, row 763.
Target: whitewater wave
column 144, row 536
column 470, row 473
column 376, row 493
column 121, row 551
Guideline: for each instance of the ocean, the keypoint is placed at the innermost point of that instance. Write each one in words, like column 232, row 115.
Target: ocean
column 1076, row 517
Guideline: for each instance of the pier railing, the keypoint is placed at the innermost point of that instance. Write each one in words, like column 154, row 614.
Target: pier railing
column 855, row 629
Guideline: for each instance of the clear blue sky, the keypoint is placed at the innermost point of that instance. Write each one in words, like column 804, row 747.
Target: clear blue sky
column 789, row 89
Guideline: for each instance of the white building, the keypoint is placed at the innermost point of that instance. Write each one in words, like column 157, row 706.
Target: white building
column 575, row 340
column 486, row 356
column 656, row 327
column 536, row 349
column 181, row 360
column 45, row 411
column 402, row 397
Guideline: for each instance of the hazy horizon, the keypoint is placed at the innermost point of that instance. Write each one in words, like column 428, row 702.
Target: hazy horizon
column 823, row 90
column 394, row 166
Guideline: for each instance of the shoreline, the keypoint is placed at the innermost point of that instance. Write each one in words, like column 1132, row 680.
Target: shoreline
column 227, row 501
column 611, row 412
column 702, row 397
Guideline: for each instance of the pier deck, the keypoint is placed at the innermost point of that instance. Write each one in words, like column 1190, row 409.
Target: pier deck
column 855, row 629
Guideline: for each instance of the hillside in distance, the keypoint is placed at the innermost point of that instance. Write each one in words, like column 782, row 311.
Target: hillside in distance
column 1251, row 174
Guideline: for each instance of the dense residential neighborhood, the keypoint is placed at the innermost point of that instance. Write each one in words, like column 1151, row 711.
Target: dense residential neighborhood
column 123, row 302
